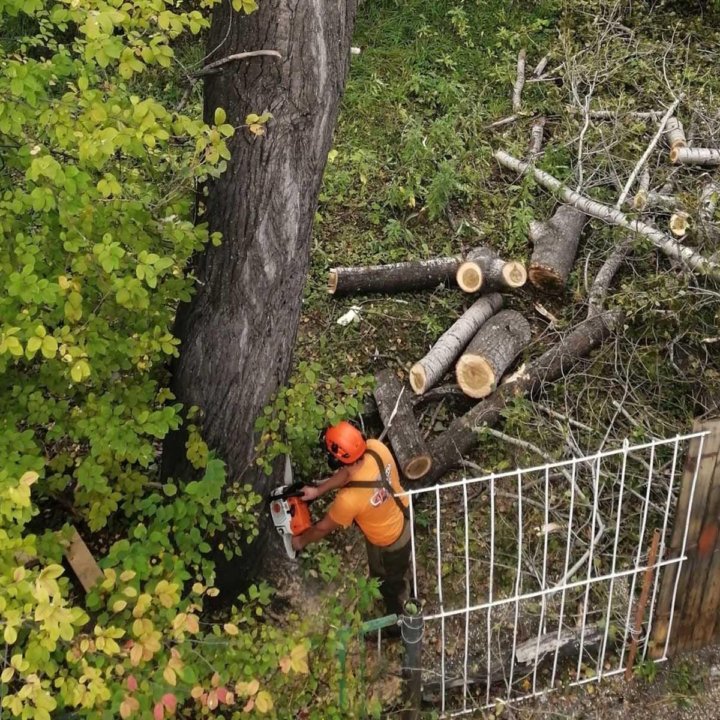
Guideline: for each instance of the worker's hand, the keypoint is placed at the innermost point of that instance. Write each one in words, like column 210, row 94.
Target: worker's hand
column 310, row 493
column 297, row 544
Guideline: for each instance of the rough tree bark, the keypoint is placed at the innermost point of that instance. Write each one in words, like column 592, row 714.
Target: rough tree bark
column 425, row 373
column 395, row 407
column 449, row 447
column 555, row 246
column 238, row 331
column 497, row 343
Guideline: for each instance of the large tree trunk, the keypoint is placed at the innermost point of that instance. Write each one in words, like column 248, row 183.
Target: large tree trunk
column 239, row 329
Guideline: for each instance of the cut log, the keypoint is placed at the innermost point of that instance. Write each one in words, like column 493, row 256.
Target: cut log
column 394, row 277
column 556, row 242
column 667, row 244
column 82, row 562
column 448, row 448
column 675, row 134
column 485, row 269
column 428, row 371
column 537, row 133
column 648, row 200
column 707, row 157
column 395, row 408
column 708, row 201
column 498, row 342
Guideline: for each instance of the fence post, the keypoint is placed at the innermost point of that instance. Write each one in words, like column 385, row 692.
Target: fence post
column 687, row 615
column 412, row 626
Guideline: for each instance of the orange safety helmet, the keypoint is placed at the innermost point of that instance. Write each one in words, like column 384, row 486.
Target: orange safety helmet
column 344, row 442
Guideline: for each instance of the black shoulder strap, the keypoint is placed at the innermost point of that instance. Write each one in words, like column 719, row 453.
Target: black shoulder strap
column 381, row 482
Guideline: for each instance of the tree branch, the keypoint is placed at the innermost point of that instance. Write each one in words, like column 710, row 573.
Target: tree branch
column 214, row 67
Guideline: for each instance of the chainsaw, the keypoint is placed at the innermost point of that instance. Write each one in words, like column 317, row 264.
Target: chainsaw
column 289, row 512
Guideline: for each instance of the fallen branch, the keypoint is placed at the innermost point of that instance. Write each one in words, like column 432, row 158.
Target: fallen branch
column 648, row 151
column 708, row 201
column 428, row 371
column 214, row 67
column 671, row 247
column 536, row 138
column 619, row 114
column 706, row 157
column 540, row 67
column 448, row 448
column 519, row 82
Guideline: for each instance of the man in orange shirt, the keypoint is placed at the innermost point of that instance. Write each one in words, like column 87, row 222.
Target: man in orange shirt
column 368, row 481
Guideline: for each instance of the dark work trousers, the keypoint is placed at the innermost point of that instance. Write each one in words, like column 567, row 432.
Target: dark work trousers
column 390, row 565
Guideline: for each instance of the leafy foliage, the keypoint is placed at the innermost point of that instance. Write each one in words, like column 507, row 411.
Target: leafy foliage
column 96, row 200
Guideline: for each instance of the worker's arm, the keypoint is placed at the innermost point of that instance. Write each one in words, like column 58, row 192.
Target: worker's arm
column 335, row 481
column 317, row 532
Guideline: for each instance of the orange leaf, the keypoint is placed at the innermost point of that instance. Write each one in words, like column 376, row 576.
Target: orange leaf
column 169, row 701
column 158, row 711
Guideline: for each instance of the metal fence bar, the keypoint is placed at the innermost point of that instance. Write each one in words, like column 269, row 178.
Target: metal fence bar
column 490, row 586
column 543, row 606
column 591, row 557
column 518, row 582
column 412, row 545
column 440, row 594
column 467, row 598
column 623, row 468
column 567, row 563
column 661, row 553
column 640, row 548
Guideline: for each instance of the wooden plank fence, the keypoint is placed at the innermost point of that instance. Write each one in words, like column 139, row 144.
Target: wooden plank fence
column 694, row 621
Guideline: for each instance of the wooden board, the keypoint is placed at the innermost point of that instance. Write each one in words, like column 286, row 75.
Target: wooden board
column 82, row 562
column 702, row 546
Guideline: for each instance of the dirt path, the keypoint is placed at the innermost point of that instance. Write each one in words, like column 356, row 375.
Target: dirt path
column 687, row 688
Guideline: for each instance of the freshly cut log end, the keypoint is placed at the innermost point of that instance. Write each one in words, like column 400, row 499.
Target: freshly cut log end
column 515, row 274
column 418, row 467
column 496, row 344
column 469, row 277
column 332, row 282
column 418, row 378
column 475, row 376
column 546, row 278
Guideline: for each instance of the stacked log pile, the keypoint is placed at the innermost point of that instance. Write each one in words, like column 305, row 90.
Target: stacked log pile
column 486, row 342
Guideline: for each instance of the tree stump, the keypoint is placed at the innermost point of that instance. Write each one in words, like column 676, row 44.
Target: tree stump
column 485, row 269
column 425, row 373
column 498, row 342
column 394, row 277
column 556, row 242
column 395, row 408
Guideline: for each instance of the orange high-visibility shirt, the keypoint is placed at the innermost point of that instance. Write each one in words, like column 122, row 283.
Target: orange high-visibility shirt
column 375, row 512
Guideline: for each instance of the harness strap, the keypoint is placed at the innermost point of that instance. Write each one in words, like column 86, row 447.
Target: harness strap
column 381, row 483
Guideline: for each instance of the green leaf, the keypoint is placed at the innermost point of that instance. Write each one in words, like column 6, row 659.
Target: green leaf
column 220, row 116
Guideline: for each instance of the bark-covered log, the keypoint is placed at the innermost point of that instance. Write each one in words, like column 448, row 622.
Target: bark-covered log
column 675, row 134
column 671, row 247
column 395, row 408
column 485, row 269
column 705, row 157
column 238, row 332
column 448, row 448
column 428, row 371
column 519, row 81
column 497, row 343
column 555, row 246
column 394, row 277
column 649, row 200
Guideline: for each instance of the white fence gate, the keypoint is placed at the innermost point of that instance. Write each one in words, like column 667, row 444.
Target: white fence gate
column 531, row 579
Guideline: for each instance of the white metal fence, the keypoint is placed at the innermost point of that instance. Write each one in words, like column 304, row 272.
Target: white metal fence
column 531, row 577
